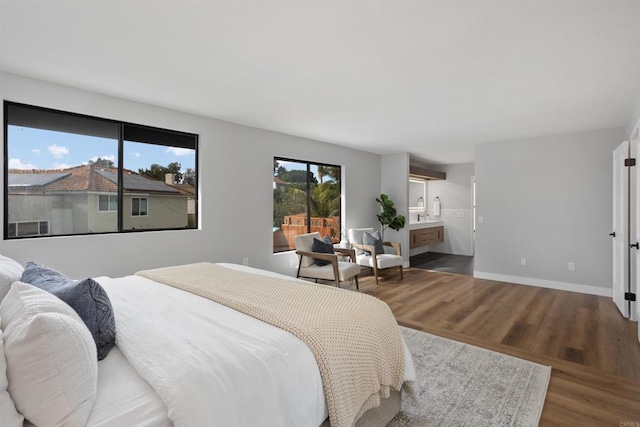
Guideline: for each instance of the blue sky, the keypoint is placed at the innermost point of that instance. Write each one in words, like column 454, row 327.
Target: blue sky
column 31, row 148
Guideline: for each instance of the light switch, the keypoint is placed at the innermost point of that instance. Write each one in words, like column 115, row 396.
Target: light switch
column 480, row 219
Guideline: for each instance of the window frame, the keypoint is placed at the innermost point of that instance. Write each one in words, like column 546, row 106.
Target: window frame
column 16, row 224
column 124, row 128
column 146, row 205
column 309, row 163
column 109, row 198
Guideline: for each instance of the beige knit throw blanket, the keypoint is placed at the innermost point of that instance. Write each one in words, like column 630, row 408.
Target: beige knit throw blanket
column 354, row 337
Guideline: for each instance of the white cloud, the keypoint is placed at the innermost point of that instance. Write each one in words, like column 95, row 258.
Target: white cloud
column 58, row 151
column 36, row 151
column 179, row 152
column 60, row 166
column 17, row 164
column 136, row 155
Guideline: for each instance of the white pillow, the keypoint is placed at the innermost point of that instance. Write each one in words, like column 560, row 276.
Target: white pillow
column 52, row 364
column 10, row 417
column 10, row 271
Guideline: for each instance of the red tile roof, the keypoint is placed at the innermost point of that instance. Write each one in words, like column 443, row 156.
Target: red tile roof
column 85, row 178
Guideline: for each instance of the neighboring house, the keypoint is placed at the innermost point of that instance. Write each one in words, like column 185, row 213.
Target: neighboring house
column 83, row 199
column 279, row 184
column 189, row 192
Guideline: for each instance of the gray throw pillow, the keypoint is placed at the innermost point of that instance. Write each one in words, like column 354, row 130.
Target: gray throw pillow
column 373, row 239
column 324, row 246
column 86, row 297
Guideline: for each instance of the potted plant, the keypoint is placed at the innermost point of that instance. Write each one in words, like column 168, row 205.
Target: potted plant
column 388, row 217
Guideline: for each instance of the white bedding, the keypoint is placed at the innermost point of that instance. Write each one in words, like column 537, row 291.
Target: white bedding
column 124, row 397
column 209, row 348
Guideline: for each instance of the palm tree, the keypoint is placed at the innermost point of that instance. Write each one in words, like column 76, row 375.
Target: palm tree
column 322, row 172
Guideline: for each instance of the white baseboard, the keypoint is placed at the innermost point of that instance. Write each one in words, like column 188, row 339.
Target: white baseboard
column 529, row 281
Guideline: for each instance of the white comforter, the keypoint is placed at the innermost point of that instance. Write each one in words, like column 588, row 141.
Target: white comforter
column 196, row 355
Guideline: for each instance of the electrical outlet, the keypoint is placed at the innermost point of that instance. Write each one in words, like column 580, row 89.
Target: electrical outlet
column 572, row 266
column 523, row 261
column 245, row 261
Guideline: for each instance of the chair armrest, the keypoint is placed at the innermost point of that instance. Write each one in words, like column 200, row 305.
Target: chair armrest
column 351, row 253
column 394, row 245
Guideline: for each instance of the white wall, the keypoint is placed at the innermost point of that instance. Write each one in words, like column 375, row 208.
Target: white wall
column 395, row 184
column 547, row 200
column 235, row 178
column 634, row 120
column 456, row 208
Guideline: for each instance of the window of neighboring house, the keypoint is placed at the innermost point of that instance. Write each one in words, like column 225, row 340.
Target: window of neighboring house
column 107, row 203
column 306, row 198
column 56, row 162
column 28, row 228
column 138, row 206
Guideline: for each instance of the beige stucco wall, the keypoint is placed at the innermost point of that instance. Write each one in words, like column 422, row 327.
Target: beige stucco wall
column 100, row 222
column 162, row 212
column 79, row 214
column 66, row 213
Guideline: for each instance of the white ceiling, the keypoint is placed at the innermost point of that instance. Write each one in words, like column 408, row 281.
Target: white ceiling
column 432, row 78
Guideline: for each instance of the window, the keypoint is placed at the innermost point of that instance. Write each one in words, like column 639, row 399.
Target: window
column 108, row 203
column 28, row 228
column 138, row 206
column 82, row 175
column 306, row 198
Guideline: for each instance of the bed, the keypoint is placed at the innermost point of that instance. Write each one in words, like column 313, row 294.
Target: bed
column 181, row 359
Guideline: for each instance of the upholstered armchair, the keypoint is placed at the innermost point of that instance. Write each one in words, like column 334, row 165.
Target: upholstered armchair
column 333, row 270
column 367, row 256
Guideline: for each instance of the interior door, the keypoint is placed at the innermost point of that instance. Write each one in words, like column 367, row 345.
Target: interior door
column 620, row 229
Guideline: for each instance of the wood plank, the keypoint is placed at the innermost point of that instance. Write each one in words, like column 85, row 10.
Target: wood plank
column 593, row 351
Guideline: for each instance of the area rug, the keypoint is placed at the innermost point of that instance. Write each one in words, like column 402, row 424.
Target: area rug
column 463, row 385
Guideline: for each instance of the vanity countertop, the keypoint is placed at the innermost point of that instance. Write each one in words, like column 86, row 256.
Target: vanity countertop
column 426, row 224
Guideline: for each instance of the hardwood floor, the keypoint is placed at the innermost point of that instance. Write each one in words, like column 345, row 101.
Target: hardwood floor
column 593, row 351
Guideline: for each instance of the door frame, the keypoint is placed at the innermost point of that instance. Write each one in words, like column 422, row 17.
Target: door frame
column 621, row 218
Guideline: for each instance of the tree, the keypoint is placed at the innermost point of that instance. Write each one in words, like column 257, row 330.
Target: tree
column 325, row 200
column 298, row 176
column 292, row 201
column 322, row 172
column 189, row 177
column 103, row 163
column 158, row 172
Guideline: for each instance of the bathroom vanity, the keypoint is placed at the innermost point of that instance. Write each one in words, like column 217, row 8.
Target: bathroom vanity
column 425, row 233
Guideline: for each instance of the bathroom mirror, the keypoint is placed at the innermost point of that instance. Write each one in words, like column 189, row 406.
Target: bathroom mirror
column 417, row 193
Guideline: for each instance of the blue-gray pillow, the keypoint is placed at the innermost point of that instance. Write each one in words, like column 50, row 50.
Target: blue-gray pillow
column 86, row 297
column 324, row 246
column 373, row 239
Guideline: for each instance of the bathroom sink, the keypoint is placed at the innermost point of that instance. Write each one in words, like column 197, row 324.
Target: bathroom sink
column 425, row 224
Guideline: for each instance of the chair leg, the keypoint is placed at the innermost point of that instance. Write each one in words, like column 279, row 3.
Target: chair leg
column 357, row 286
column 401, row 277
column 375, row 267
column 316, row 280
column 337, row 282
